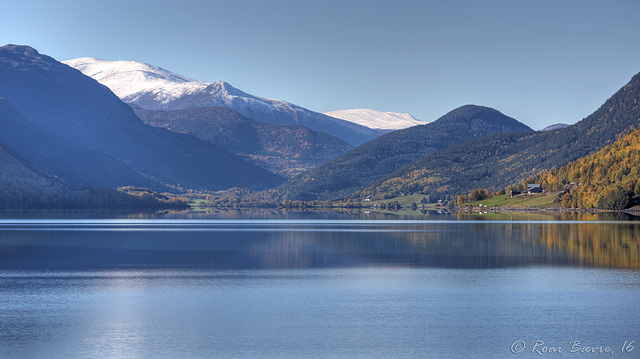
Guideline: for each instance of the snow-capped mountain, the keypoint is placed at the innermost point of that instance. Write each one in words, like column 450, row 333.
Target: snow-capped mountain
column 153, row 88
column 377, row 119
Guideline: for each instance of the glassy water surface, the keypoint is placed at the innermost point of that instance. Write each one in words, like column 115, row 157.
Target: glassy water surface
column 308, row 288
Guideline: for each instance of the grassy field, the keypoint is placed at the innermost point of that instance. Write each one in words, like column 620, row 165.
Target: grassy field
column 404, row 201
column 542, row 200
column 198, row 204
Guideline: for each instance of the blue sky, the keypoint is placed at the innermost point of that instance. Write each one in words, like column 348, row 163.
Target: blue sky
column 541, row 62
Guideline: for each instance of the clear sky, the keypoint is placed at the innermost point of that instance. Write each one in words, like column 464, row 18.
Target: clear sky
column 538, row 61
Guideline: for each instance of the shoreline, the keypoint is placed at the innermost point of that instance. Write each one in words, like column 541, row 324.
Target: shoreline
column 499, row 209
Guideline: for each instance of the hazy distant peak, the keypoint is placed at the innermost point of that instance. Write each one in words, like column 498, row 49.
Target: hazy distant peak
column 555, row 126
column 377, row 119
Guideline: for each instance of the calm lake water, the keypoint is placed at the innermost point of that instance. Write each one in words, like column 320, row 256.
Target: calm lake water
column 302, row 287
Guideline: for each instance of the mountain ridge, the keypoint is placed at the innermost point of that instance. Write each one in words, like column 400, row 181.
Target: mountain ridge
column 386, row 154
column 178, row 94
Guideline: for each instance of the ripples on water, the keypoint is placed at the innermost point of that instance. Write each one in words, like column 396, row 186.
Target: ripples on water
column 315, row 288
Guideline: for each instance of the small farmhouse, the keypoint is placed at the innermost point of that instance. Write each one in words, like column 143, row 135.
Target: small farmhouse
column 534, row 188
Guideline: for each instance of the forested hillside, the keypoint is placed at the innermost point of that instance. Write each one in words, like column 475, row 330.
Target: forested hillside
column 607, row 179
column 21, row 186
column 380, row 157
column 495, row 161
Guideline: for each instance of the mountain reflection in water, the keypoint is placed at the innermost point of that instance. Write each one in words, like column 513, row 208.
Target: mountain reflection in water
column 274, row 244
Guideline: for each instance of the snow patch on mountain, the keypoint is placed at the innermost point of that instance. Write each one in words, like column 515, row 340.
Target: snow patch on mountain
column 377, row 119
column 126, row 78
column 154, row 88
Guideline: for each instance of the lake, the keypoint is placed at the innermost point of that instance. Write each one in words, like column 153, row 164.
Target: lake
column 324, row 285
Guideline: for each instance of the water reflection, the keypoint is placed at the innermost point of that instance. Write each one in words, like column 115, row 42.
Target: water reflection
column 264, row 244
column 592, row 244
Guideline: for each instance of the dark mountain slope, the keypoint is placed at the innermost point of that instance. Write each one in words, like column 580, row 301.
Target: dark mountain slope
column 283, row 149
column 386, row 154
column 63, row 160
column 499, row 160
column 23, row 188
column 100, row 140
column 19, row 184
